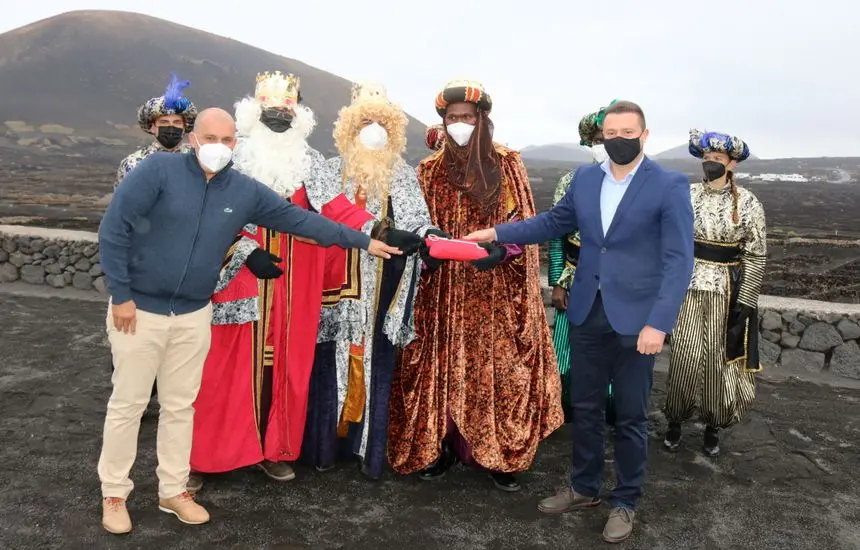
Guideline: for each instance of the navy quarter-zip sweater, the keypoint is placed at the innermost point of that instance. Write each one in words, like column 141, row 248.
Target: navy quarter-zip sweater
column 165, row 234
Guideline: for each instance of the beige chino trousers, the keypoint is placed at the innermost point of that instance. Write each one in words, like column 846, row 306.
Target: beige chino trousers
column 169, row 349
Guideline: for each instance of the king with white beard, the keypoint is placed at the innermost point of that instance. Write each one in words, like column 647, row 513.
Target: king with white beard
column 252, row 403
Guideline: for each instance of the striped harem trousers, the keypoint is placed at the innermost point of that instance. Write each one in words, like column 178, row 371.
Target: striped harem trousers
column 700, row 376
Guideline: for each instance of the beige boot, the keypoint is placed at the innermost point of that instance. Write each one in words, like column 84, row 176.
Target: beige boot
column 115, row 518
column 566, row 500
column 619, row 527
column 183, row 507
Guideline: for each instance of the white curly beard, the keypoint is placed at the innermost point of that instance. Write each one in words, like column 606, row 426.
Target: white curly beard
column 280, row 161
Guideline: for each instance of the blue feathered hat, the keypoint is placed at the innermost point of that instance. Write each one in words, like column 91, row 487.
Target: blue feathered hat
column 716, row 142
column 172, row 102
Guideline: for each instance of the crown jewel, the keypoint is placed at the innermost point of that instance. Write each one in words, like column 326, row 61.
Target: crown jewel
column 275, row 89
column 464, row 83
column 368, row 91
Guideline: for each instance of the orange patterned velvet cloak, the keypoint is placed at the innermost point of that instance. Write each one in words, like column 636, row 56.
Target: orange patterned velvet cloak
column 483, row 351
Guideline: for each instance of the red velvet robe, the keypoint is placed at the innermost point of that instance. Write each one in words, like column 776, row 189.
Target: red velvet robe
column 229, row 406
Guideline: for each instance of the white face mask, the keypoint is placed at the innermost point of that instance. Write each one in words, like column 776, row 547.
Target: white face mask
column 373, row 136
column 460, row 132
column 598, row 153
column 213, row 156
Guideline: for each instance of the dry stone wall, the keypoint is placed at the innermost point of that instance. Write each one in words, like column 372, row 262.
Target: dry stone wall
column 801, row 335
column 796, row 335
column 57, row 258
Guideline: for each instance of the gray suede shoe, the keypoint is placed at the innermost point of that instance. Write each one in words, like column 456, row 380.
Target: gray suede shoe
column 566, row 500
column 619, row 526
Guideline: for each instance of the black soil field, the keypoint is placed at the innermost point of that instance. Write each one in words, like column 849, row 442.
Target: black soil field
column 787, row 477
column 813, row 227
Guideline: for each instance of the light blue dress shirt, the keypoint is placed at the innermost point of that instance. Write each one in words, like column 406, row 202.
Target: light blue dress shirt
column 612, row 191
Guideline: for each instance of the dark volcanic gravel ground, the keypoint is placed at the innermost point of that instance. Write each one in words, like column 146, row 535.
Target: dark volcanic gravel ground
column 787, row 478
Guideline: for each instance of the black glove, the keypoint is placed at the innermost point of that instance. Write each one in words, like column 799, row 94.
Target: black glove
column 408, row 242
column 497, row 255
column 262, row 264
column 431, row 262
column 381, row 228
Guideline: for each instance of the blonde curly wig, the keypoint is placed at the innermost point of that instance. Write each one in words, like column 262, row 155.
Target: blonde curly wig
column 371, row 169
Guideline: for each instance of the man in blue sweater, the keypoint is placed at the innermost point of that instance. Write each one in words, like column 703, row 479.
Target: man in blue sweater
column 162, row 242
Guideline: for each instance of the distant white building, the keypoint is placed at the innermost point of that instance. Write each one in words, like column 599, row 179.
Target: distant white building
column 794, row 178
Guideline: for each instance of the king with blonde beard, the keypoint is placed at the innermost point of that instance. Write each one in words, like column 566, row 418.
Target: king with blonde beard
column 252, row 403
column 367, row 304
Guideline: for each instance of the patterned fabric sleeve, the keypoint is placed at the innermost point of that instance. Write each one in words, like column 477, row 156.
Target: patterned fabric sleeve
column 324, row 182
column 556, row 246
column 121, row 172
column 410, row 212
column 566, row 277
column 754, row 251
column 235, row 258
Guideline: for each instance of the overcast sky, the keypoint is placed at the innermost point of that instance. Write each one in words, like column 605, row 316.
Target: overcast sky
column 783, row 75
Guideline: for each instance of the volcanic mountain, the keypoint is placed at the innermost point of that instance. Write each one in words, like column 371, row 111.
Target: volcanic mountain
column 72, row 83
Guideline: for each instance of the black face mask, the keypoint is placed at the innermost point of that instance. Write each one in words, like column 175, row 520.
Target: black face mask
column 276, row 121
column 169, row 136
column 713, row 170
column 621, row 150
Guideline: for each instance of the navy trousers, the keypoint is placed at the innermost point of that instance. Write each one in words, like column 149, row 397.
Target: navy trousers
column 598, row 355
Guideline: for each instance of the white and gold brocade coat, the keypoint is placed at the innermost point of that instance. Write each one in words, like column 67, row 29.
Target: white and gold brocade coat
column 714, row 225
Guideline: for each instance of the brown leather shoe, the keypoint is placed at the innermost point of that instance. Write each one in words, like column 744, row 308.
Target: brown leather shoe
column 566, row 500
column 115, row 518
column 279, row 471
column 183, row 507
column 195, row 483
column 619, row 526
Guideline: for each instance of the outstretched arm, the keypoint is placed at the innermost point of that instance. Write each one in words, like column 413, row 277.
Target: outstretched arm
column 676, row 242
column 557, row 222
column 277, row 213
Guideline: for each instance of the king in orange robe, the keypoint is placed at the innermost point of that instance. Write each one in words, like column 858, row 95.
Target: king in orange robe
column 479, row 383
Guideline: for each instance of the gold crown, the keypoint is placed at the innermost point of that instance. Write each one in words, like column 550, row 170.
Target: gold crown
column 464, row 83
column 275, row 89
column 368, row 91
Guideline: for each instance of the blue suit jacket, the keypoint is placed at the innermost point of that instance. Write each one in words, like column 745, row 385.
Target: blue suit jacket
column 644, row 262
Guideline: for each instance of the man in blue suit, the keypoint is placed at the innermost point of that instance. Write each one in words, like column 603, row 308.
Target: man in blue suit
column 636, row 227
